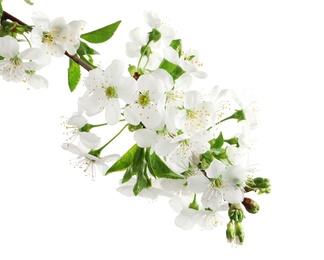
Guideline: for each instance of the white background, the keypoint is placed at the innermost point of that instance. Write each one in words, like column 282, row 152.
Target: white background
column 48, row 210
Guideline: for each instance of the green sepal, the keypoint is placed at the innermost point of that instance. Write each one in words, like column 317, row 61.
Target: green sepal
column 146, row 51
column 74, row 75
column 124, row 162
column 177, row 45
column 194, row 205
column 101, row 35
column 158, row 168
column 233, row 141
column 174, row 70
column 238, row 115
column 1, row 58
column 154, row 35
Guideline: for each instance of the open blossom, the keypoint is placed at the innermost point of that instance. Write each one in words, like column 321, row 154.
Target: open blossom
column 90, row 163
column 196, row 114
column 219, row 185
column 147, row 104
column 154, row 21
column 20, row 66
column 55, row 37
column 188, row 217
column 76, row 127
column 188, row 61
column 184, row 150
column 107, row 88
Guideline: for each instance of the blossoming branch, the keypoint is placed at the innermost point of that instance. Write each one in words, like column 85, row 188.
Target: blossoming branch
column 192, row 143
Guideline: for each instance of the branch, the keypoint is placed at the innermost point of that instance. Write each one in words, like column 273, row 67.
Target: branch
column 7, row 16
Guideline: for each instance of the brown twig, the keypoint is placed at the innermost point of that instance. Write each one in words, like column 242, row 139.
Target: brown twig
column 7, row 16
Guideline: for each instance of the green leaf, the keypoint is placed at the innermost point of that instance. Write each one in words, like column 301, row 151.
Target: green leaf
column 159, row 169
column 29, row 2
column 1, row 10
column 84, row 49
column 101, row 35
column 142, row 181
column 87, row 62
column 174, row 70
column 138, row 161
column 218, row 142
column 177, row 45
column 1, row 58
column 128, row 175
column 124, row 162
column 74, row 75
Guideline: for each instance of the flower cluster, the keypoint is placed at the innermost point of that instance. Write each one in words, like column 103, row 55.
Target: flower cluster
column 191, row 142
column 51, row 38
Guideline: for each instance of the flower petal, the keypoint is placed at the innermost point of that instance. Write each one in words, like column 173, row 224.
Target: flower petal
column 233, row 194
column 235, row 174
column 9, row 47
column 37, row 81
column 145, row 137
column 198, row 183
column 215, row 169
column 112, row 113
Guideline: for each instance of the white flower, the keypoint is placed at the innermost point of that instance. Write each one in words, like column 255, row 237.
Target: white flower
column 184, row 150
column 139, row 39
column 154, row 21
column 219, row 185
column 248, row 104
column 90, row 163
column 14, row 69
column 188, row 61
column 75, row 125
column 107, row 88
column 147, row 104
column 187, row 217
column 196, row 114
column 56, row 36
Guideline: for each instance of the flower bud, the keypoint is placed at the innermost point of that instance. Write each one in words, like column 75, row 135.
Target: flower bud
column 235, row 213
column 239, row 232
column 250, row 205
column 230, row 231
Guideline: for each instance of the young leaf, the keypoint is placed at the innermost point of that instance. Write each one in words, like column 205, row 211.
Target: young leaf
column 218, row 142
column 174, row 70
column 84, row 49
column 159, row 169
column 142, row 181
column 124, row 162
column 128, row 175
column 74, row 75
column 101, row 35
